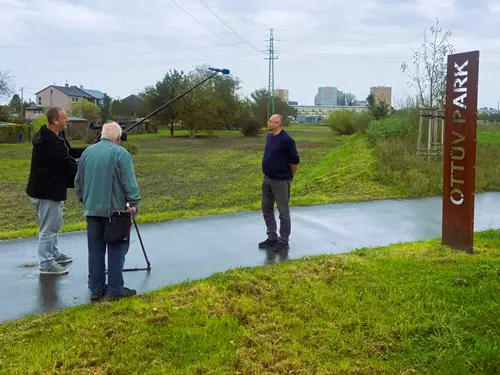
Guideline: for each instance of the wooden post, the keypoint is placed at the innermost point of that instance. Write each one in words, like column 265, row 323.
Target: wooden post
column 460, row 150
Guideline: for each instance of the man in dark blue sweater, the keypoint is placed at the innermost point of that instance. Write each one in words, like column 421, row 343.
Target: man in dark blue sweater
column 279, row 165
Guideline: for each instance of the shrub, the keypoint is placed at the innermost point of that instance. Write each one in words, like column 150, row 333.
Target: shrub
column 391, row 128
column 39, row 122
column 14, row 133
column 361, row 122
column 250, row 128
column 150, row 127
column 91, row 135
column 131, row 147
column 341, row 122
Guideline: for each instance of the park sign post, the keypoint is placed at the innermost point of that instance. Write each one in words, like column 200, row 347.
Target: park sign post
column 460, row 150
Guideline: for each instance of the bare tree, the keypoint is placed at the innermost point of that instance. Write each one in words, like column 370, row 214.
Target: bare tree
column 6, row 88
column 430, row 81
column 350, row 99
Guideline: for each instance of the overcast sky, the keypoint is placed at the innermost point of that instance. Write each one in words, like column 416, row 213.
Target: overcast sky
column 121, row 46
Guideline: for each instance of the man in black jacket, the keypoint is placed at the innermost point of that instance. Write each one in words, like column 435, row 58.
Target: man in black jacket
column 53, row 170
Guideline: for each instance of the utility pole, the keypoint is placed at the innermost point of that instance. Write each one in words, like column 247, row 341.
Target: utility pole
column 22, row 101
column 271, row 58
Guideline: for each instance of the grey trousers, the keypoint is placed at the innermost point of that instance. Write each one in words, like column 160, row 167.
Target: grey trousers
column 276, row 191
column 50, row 214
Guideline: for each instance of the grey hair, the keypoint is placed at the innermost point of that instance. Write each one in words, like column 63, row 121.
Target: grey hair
column 111, row 131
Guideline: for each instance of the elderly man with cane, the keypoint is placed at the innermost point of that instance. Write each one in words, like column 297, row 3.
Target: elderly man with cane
column 106, row 184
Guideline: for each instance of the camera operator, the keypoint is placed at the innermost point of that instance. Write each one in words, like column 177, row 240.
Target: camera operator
column 105, row 183
column 53, row 169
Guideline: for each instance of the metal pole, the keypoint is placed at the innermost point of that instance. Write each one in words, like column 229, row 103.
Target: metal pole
column 163, row 106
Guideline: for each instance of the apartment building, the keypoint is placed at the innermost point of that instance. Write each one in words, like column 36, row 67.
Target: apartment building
column 283, row 94
column 382, row 94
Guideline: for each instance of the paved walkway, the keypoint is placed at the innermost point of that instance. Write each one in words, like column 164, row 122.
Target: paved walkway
column 195, row 248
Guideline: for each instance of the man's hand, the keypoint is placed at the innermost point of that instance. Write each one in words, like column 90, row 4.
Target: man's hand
column 132, row 210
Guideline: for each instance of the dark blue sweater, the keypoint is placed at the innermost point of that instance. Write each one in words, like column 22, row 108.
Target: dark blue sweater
column 279, row 153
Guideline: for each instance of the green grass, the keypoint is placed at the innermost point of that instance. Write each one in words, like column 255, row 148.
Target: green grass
column 181, row 177
column 415, row 308
column 178, row 177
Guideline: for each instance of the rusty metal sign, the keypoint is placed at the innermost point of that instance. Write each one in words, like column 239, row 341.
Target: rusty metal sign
column 460, row 150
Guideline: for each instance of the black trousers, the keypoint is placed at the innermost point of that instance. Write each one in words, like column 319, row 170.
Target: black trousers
column 276, row 191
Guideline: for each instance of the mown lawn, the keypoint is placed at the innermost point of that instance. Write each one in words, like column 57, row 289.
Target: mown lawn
column 181, row 177
column 413, row 308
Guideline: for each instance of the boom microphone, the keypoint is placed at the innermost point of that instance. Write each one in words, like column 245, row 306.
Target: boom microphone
column 125, row 131
column 223, row 71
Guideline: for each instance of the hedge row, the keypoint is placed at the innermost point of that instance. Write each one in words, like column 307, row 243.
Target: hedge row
column 14, row 133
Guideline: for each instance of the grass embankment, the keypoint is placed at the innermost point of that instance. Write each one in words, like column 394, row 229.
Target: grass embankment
column 181, row 177
column 405, row 309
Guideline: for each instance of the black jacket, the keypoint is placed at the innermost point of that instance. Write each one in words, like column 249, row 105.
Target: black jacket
column 53, row 166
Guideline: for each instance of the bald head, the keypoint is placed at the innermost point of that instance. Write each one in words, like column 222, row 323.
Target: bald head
column 111, row 131
column 275, row 123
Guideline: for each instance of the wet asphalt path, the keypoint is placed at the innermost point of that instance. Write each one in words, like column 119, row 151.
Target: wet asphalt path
column 195, row 248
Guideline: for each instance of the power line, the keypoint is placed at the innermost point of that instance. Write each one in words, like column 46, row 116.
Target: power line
column 365, row 57
column 132, row 54
column 229, row 27
column 350, row 57
column 206, row 27
column 339, row 45
column 142, row 63
column 357, row 45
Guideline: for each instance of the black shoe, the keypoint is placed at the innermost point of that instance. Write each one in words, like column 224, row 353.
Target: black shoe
column 281, row 245
column 99, row 295
column 126, row 293
column 268, row 243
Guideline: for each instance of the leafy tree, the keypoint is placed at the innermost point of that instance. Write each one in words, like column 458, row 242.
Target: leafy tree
column 5, row 114
column 16, row 103
column 85, row 109
column 224, row 88
column 260, row 104
column 106, row 109
column 381, row 110
column 31, row 103
column 173, row 84
column 199, row 111
column 370, row 102
column 122, row 110
column 430, row 82
column 201, row 108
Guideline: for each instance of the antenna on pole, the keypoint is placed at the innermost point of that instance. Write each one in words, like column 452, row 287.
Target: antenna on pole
column 271, row 58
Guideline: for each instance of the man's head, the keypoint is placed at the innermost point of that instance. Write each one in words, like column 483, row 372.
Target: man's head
column 57, row 119
column 112, row 131
column 275, row 123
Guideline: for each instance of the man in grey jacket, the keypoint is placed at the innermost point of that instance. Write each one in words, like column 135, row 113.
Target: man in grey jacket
column 106, row 182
